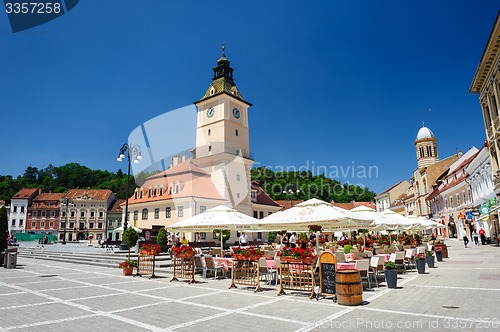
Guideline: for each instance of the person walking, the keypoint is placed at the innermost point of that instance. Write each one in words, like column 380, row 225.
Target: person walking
column 463, row 233
column 482, row 234
column 475, row 236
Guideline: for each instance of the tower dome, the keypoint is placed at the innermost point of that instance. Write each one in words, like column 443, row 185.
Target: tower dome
column 425, row 132
column 426, row 147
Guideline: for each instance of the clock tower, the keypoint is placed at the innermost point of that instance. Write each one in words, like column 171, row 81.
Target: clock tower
column 222, row 137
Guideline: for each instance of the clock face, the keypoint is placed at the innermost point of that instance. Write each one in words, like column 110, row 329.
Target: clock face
column 210, row 112
column 236, row 113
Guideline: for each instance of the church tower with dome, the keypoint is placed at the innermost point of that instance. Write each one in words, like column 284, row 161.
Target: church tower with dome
column 426, row 146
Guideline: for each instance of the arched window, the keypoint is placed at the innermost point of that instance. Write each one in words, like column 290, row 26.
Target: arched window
column 144, row 214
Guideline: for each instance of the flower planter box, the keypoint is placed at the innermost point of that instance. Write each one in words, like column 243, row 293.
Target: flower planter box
column 290, row 259
column 391, row 277
column 245, row 258
column 430, row 261
column 184, row 256
column 439, row 256
column 420, row 263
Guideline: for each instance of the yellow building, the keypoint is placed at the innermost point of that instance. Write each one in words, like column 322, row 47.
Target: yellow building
column 486, row 84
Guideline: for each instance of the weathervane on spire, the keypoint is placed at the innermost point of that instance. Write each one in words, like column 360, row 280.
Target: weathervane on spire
column 223, row 49
column 423, row 124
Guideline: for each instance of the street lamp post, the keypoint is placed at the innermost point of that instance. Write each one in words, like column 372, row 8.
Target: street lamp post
column 66, row 202
column 290, row 193
column 131, row 151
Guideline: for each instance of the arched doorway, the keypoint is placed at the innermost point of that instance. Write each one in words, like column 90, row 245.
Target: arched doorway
column 452, row 228
column 80, row 236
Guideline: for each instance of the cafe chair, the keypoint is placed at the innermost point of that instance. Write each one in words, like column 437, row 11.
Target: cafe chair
column 265, row 271
column 363, row 265
column 198, row 265
column 374, row 268
column 210, row 266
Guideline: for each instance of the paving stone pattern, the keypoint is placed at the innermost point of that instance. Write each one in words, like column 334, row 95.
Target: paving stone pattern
column 462, row 293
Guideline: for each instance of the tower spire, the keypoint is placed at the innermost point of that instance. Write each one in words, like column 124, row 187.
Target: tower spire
column 223, row 49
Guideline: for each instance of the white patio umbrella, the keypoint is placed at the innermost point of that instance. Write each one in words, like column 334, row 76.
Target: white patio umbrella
column 381, row 222
column 402, row 221
column 120, row 229
column 312, row 212
column 220, row 217
column 425, row 223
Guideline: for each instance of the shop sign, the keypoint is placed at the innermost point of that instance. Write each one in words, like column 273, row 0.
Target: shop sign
column 485, row 209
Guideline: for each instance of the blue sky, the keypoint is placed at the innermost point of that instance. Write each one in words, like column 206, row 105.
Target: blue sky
column 334, row 84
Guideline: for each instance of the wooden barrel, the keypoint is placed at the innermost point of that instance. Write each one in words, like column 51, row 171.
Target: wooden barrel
column 349, row 289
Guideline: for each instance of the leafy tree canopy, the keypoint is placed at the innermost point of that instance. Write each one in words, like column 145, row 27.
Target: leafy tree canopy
column 303, row 185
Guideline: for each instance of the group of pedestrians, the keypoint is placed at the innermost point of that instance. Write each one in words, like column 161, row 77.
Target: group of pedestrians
column 475, row 236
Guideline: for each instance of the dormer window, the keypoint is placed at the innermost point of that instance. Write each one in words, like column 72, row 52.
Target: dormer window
column 253, row 195
column 212, row 91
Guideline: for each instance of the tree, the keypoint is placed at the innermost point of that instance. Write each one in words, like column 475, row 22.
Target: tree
column 4, row 229
column 225, row 234
column 130, row 237
column 162, row 236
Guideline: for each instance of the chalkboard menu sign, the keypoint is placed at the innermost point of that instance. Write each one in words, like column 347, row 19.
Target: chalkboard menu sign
column 327, row 273
column 327, row 279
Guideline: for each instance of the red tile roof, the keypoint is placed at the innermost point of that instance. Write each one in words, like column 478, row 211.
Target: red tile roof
column 192, row 180
column 26, row 193
column 451, row 180
column 262, row 197
column 97, row 194
column 116, row 206
column 353, row 204
column 49, row 197
column 287, row 204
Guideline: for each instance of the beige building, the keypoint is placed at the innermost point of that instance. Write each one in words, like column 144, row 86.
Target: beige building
column 218, row 172
column 428, row 170
column 451, row 197
column 486, row 84
column 384, row 200
column 83, row 213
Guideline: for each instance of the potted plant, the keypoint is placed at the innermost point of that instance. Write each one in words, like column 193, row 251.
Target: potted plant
column 347, row 248
column 127, row 266
column 439, row 253
column 429, row 258
column 183, row 251
column 391, row 274
column 420, row 263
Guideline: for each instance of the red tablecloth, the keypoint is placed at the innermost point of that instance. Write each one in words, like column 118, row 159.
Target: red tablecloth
column 224, row 262
column 271, row 264
column 346, row 266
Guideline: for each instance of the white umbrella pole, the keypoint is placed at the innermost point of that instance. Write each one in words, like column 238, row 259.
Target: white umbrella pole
column 221, row 244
